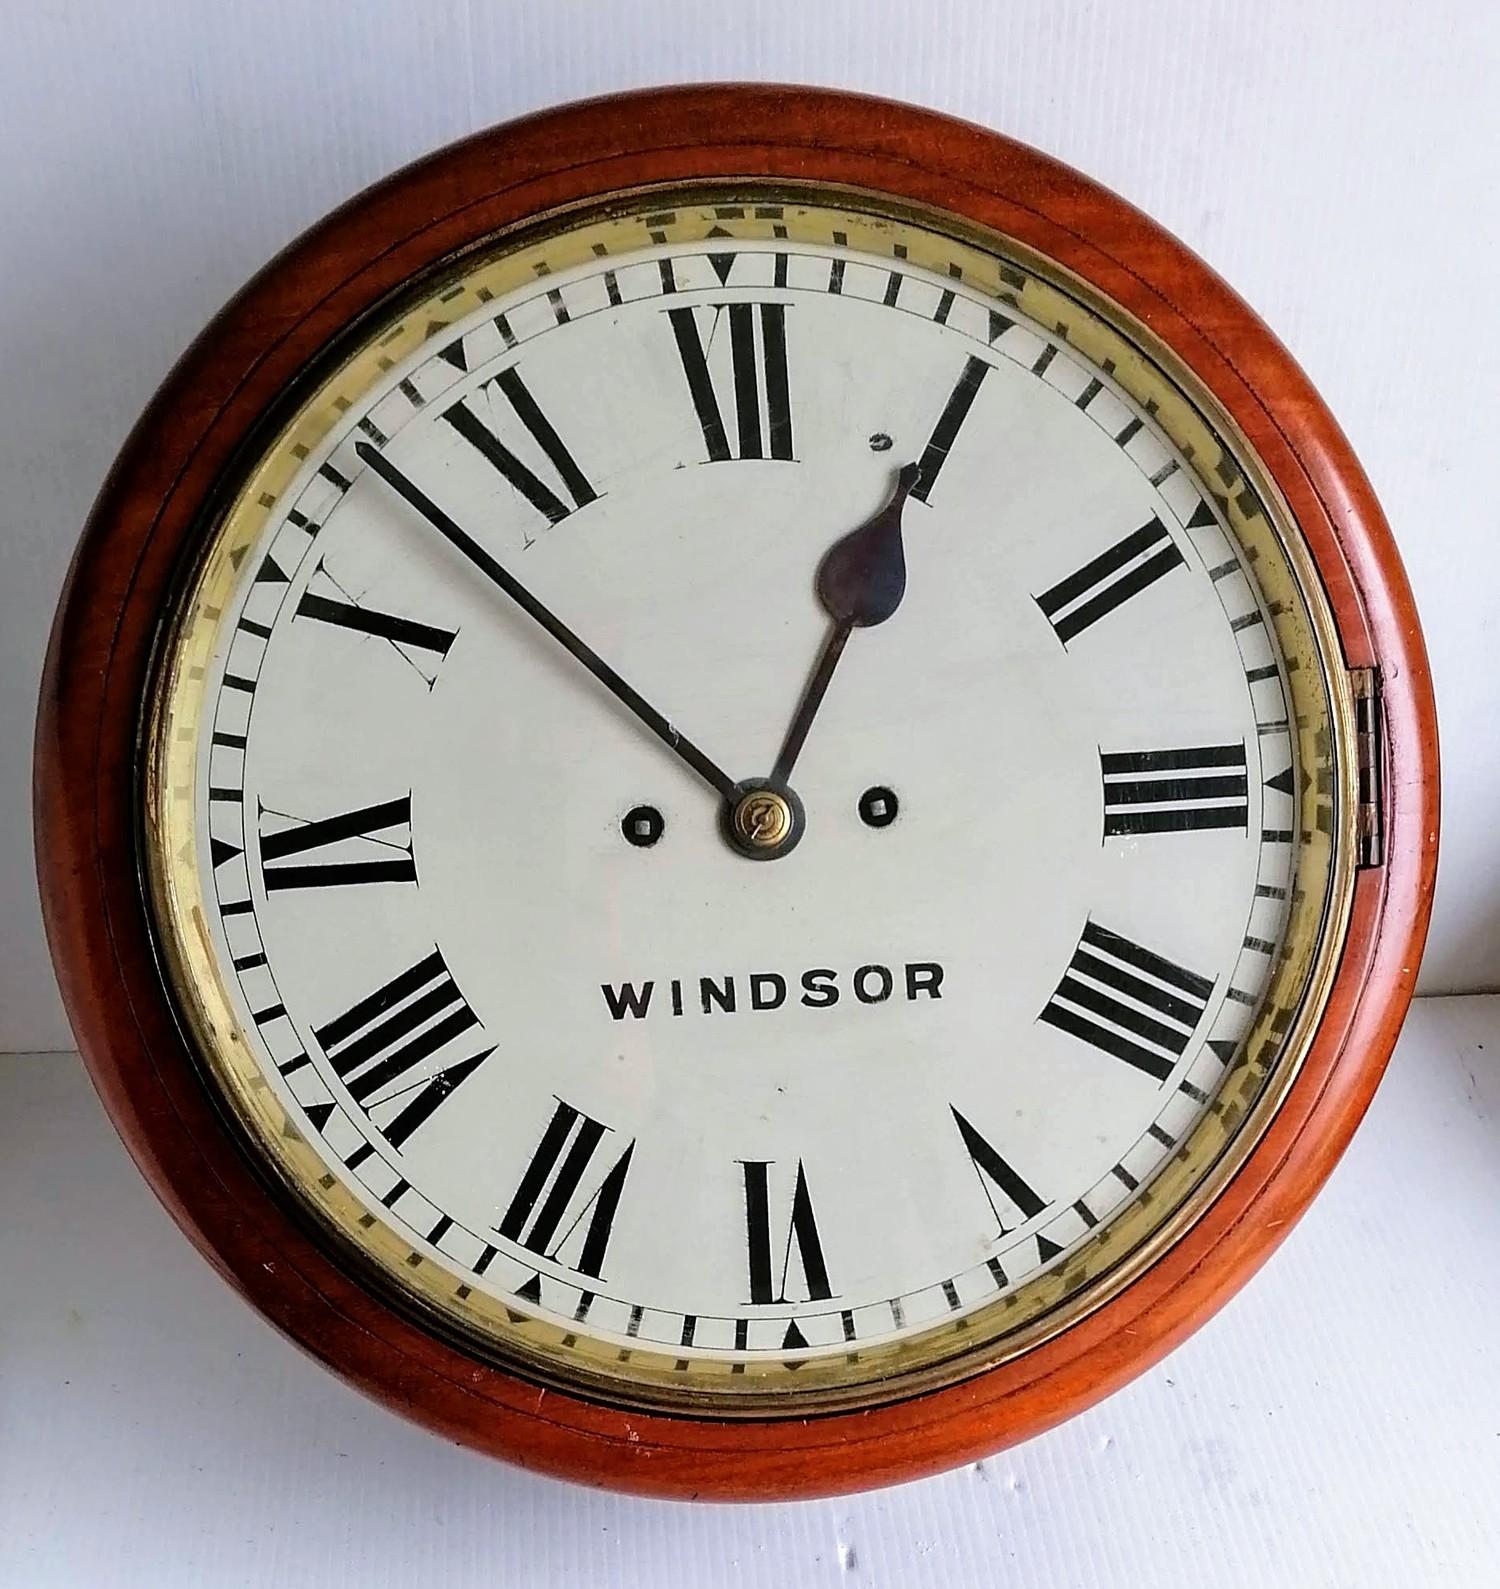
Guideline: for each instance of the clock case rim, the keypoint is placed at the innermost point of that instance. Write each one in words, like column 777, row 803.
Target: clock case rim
column 172, row 923
column 128, row 563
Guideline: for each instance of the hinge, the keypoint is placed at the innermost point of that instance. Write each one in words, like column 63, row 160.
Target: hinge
column 1369, row 737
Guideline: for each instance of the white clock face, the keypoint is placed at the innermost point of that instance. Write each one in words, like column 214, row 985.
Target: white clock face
column 483, row 931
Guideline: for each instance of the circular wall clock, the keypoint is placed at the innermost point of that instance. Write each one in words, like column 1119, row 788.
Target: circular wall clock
column 736, row 792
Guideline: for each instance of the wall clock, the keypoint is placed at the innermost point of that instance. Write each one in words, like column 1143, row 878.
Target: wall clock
column 736, row 792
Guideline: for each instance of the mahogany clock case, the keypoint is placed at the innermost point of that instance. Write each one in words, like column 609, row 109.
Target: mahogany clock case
column 143, row 532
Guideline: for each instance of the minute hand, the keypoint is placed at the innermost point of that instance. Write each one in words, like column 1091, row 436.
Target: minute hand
column 709, row 771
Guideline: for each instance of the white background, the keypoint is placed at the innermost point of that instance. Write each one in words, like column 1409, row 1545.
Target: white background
column 1340, row 1425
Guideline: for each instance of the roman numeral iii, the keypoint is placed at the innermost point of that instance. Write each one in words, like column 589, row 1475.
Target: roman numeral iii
column 549, row 1205
column 370, row 845
column 1128, row 1001
column 758, row 395
column 381, row 1047
column 1174, row 791
column 1127, row 568
column 770, row 1263
column 495, row 410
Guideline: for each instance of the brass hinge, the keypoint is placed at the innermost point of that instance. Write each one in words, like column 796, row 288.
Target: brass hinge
column 1369, row 736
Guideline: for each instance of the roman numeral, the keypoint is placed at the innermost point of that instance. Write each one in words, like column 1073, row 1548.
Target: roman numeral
column 496, row 404
column 995, row 1175
column 366, row 620
column 547, row 1208
column 945, row 432
column 802, row 1233
column 375, row 1046
column 285, row 854
column 758, row 372
column 1174, row 791
column 1128, row 1001
column 1113, row 577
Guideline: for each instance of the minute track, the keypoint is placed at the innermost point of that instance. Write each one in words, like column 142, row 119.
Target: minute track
column 1044, row 1245
column 523, row 1274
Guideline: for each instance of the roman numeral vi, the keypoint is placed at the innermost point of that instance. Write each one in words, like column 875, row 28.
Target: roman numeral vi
column 767, row 1284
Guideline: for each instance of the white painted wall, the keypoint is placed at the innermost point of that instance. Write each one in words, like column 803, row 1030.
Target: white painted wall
column 1336, row 161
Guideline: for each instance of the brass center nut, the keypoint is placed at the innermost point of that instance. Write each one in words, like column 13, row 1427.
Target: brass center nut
column 763, row 819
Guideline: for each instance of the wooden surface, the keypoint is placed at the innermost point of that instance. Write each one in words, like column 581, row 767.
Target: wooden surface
column 121, row 578
column 155, row 1435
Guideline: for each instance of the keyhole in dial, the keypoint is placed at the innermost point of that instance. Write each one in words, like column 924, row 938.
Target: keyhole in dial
column 643, row 826
column 878, row 806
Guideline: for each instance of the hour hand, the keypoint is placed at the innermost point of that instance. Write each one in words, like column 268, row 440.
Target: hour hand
column 860, row 583
column 862, row 577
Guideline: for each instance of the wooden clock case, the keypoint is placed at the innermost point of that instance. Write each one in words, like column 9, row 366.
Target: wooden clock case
column 143, row 528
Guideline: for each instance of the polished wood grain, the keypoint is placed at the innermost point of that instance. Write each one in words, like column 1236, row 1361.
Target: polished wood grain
column 142, row 529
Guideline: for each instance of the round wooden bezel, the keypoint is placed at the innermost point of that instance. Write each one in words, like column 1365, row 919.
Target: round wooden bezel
column 122, row 582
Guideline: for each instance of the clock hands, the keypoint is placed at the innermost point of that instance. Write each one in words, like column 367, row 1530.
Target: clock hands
column 672, row 738
column 860, row 583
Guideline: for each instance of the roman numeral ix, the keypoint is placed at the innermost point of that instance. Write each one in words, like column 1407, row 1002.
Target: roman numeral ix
column 380, row 1046
column 289, row 860
column 480, row 420
column 1127, row 568
column 758, row 376
column 1128, row 1001
column 1174, row 791
column 548, row 1208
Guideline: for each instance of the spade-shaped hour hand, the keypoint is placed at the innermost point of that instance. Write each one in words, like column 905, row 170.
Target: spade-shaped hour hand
column 860, row 583
column 862, row 577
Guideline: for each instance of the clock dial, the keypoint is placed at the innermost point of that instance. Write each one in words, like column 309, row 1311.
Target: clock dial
column 671, row 541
